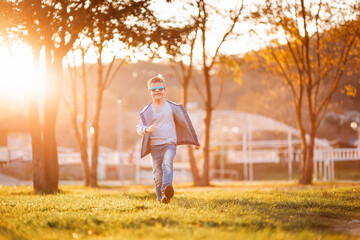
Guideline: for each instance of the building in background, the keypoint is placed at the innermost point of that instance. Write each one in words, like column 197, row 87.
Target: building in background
column 15, row 139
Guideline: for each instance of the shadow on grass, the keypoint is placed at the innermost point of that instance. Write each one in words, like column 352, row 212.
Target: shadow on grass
column 292, row 216
column 10, row 234
column 141, row 196
column 22, row 193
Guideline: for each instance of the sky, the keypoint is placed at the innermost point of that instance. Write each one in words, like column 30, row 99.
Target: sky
column 16, row 72
column 16, row 63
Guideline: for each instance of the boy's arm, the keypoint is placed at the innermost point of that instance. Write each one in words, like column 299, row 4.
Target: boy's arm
column 140, row 128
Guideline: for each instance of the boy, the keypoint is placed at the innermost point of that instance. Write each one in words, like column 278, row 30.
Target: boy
column 164, row 125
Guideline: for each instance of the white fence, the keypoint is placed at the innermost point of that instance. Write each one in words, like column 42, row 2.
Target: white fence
column 8, row 154
column 260, row 156
column 324, row 160
column 109, row 158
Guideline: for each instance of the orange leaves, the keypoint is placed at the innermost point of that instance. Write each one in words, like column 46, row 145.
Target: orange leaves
column 350, row 90
column 229, row 66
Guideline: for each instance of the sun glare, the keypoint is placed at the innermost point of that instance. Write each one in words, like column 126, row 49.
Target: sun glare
column 16, row 81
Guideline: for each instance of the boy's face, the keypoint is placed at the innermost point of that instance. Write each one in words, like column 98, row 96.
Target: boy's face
column 157, row 91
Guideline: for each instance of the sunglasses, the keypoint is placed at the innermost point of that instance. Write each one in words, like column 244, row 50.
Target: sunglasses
column 153, row 89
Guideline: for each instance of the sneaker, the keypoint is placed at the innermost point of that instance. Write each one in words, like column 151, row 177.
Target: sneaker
column 168, row 193
column 165, row 200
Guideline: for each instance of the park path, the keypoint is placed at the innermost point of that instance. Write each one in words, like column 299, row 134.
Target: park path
column 10, row 181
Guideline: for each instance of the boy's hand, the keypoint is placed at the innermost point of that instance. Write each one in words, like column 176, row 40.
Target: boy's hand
column 197, row 147
column 151, row 129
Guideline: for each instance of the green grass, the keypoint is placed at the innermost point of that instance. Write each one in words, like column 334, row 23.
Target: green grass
column 232, row 212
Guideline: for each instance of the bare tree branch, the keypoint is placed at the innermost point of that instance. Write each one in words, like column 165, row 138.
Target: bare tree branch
column 198, row 89
column 234, row 22
column 111, row 79
column 217, row 101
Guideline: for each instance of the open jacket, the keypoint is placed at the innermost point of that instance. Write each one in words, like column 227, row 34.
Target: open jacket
column 185, row 132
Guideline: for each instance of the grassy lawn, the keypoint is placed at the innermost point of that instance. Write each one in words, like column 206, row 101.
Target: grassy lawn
column 231, row 212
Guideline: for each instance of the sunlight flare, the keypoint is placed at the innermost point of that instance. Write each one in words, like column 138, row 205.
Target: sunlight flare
column 17, row 81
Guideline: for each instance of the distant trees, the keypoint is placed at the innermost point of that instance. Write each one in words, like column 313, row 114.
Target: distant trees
column 80, row 95
column 122, row 26
column 200, row 16
column 208, row 62
column 316, row 39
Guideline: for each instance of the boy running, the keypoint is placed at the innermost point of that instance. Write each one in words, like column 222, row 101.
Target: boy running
column 164, row 125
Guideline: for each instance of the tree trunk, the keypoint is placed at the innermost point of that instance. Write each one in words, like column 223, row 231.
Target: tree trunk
column 82, row 139
column 95, row 147
column 193, row 167
column 94, row 157
column 51, row 105
column 81, row 132
column 39, row 179
column 50, row 153
column 45, row 156
column 193, row 164
column 96, row 126
column 95, row 154
column 85, row 135
column 205, row 181
column 308, row 162
column 39, row 176
column 85, row 162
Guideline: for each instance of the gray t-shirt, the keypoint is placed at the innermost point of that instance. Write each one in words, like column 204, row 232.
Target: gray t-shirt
column 164, row 119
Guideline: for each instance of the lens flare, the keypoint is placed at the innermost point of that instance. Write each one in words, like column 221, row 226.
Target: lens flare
column 17, row 81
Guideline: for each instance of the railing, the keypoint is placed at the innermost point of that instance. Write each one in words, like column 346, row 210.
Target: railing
column 69, row 158
column 109, row 158
column 4, row 155
column 275, row 156
column 324, row 167
column 345, row 154
column 323, row 160
column 262, row 156
column 8, row 154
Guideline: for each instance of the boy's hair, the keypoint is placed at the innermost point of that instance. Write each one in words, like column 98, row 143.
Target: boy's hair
column 158, row 79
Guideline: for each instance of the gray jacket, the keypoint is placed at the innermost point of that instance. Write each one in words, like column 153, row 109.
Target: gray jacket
column 185, row 132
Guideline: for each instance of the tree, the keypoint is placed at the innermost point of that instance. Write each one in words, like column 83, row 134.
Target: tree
column 6, row 18
column 81, row 130
column 311, row 57
column 201, row 14
column 184, row 76
column 111, row 25
column 352, row 89
column 208, row 62
column 53, row 27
